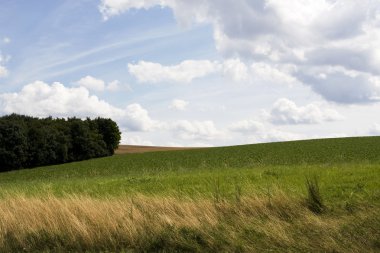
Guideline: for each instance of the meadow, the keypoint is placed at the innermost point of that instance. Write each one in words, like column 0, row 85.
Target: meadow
column 250, row 198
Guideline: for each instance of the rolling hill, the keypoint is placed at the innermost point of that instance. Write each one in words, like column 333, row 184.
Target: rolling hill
column 249, row 198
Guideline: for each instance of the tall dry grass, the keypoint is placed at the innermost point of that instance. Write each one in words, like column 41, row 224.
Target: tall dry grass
column 140, row 223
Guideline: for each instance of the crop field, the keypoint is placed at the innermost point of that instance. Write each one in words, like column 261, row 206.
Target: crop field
column 301, row 196
column 133, row 149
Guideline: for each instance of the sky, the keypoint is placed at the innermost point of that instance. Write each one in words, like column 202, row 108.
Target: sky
column 196, row 73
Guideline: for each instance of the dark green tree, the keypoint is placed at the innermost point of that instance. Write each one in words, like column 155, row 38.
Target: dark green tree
column 29, row 142
column 110, row 132
column 13, row 145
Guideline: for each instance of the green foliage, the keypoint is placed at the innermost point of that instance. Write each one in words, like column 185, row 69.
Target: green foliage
column 110, row 133
column 349, row 169
column 194, row 173
column 13, row 144
column 314, row 199
column 29, row 142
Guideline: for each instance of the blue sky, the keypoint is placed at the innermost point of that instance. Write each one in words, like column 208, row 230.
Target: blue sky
column 196, row 73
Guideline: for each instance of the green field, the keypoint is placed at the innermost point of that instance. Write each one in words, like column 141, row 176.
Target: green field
column 346, row 167
column 348, row 172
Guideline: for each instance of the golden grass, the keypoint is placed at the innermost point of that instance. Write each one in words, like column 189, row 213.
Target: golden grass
column 253, row 224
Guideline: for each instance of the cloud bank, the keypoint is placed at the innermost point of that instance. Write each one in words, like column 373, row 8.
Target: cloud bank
column 95, row 84
column 57, row 100
column 314, row 36
column 286, row 112
column 42, row 100
column 184, row 72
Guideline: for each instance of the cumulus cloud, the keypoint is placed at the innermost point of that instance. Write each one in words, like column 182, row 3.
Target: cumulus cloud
column 320, row 34
column 41, row 100
column 137, row 118
column 113, row 85
column 179, row 104
column 232, row 68
column 188, row 70
column 343, row 86
column 285, row 111
column 235, row 69
column 274, row 74
column 265, row 27
column 92, row 83
column 95, row 84
column 257, row 132
column 247, row 126
column 196, row 130
column 184, row 72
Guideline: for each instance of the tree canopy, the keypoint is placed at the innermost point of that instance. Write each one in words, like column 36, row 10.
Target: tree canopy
column 27, row 142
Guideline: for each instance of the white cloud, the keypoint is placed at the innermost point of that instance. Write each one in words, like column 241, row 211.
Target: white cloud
column 374, row 129
column 273, row 33
column 257, row 132
column 126, row 138
column 196, row 130
column 285, row 111
column 275, row 135
column 95, row 84
column 92, row 83
column 137, row 118
column 274, row 74
column 41, row 100
column 179, row 104
column 184, row 72
column 110, row 8
column 113, row 86
column 341, row 85
column 116, row 85
column 235, row 69
column 247, row 126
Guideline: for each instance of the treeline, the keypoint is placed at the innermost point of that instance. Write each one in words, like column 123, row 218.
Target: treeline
column 27, row 142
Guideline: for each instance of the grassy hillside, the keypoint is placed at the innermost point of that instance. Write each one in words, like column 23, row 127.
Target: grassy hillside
column 341, row 164
column 250, row 198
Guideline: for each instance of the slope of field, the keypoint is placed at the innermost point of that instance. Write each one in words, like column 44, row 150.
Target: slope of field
column 293, row 152
column 132, row 149
column 250, row 198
